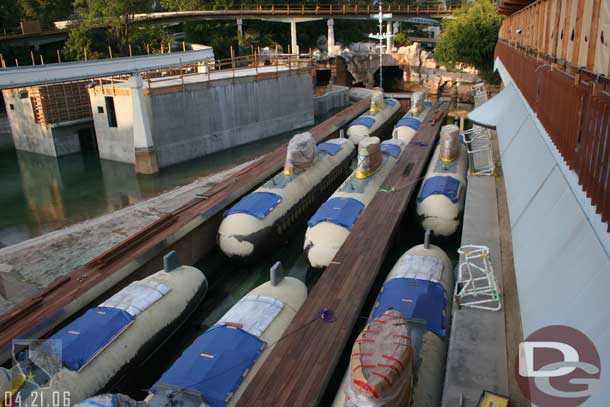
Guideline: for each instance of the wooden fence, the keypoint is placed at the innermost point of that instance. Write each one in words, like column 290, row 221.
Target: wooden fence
column 573, row 33
column 574, row 108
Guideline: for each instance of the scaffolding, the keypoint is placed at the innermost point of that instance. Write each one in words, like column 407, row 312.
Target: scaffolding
column 58, row 103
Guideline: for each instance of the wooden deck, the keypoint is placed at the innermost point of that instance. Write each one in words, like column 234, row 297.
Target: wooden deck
column 298, row 370
column 190, row 230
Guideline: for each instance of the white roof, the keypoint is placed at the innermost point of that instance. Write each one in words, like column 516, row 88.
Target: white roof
column 489, row 113
column 21, row 76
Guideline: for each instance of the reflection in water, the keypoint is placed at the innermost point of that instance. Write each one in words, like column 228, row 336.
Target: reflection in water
column 39, row 194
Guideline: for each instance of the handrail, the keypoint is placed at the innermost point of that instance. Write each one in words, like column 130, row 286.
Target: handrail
column 338, row 8
column 293, row 61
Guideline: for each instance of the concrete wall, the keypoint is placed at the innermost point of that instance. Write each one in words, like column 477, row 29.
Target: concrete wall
column 336, row 98
column 114, row 143
column 561, row 247
column 27, row 134
column 53, row 139
column 65, row 136
column 209, row 117
column 6, row 139
column 202, row 118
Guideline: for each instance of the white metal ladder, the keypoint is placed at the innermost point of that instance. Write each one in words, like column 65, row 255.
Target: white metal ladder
column 479, row 93
column 478, row 143
column 479, row 288
column 478, row 140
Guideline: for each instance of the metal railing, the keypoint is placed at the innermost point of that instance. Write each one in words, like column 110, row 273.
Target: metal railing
column 331, row 9
column 574, row 108
column 253, row 62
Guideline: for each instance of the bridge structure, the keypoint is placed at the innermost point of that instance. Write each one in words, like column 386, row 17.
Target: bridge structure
column 411, row 11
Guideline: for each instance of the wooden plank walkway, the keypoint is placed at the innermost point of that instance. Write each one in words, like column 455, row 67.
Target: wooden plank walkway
column 38, row 315
column 298, row 370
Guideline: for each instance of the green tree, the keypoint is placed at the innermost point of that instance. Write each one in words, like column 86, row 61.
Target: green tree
column 46, row 11
column 9, row 14
column 470, row 37
column 253, row 39
column 118, row 15
column 401, row 40
column 81, row 39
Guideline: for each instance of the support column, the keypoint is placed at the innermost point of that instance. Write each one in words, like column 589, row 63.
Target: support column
column 389, row 43
column 294, row 48
column 144, row 148
column 331, row 36
column 240, row 27
column 240, row 35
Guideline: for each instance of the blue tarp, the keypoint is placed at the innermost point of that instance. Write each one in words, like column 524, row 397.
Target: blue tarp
column 417, row 299
column 330, row 148
column 214, row 364
column 87, row 335
column 447, row 186
column 258, row 204
column 391, row 149
column 411, row 122
column 390, row 102
column 428, row 103
column 340, row 211
column 366, row 121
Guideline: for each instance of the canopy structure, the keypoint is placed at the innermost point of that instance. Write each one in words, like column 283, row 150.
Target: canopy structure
column 22, row 76
column 490, row 113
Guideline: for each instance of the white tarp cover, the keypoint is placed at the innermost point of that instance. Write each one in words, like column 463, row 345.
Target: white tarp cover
column 137, row 296
column 254, row 312
column 489, row 113
column 301, row 152
column 421, row 267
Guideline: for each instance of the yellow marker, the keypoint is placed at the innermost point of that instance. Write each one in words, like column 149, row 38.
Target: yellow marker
column 490, row 399
column 363, row 174
column 16, row 384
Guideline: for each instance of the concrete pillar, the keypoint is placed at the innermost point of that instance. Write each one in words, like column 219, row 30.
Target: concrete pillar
column 331, row 36
column 240, row 34
column 389, row 43
column 240, row 27
column 144, row 148
column 294, row 48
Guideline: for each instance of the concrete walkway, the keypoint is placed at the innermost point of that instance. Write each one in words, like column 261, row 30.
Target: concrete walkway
column 477, row 347
column 33, row 264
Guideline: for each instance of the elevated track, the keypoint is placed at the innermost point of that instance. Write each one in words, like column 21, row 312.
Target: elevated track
column 272, row 12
